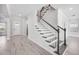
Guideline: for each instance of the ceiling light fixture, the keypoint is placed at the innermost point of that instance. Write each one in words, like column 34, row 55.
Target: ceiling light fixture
column 70, row 8
column 19, row 14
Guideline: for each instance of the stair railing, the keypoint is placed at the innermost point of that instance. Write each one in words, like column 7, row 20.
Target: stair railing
column 58, row 31
column 64, row 29
column 41, row 14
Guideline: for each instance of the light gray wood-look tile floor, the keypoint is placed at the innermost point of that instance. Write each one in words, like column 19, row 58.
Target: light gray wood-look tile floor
column 20, row 45
column 72, row 46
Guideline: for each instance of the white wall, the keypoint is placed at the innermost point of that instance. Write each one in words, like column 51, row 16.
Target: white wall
column 19, row 14
column 51, row 17
column 62, row 21
column 4, row 15
column 62, row 18
column 73, row 26
column 3, row 10
column 70, row 23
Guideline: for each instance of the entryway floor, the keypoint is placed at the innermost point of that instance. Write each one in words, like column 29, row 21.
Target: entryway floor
column 72, row 46
column 20, row 45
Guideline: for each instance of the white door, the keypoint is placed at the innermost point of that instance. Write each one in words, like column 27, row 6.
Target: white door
column 17, row 29
column 19, row 26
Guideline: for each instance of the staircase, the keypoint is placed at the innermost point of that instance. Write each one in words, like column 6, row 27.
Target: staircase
column 51, row 38
column 50, row 33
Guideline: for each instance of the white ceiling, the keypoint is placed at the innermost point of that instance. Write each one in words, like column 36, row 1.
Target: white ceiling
column 70, row 10
column 25, row 9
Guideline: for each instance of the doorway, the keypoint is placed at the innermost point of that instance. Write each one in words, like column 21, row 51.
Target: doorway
column 19, row 26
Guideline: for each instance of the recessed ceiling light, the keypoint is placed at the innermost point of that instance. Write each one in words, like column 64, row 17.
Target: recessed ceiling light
column 19, row 14
column 70, row 8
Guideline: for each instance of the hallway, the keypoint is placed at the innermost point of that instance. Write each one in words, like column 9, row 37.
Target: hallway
column 20, row 45
column 47, row 28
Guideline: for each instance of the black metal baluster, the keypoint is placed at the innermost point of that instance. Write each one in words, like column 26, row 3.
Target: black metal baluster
column 65, row 36
column 27, row 29
column 58, row 42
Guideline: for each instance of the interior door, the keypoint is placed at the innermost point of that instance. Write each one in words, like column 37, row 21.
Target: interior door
column 16, row 26
column 19, row 26
column 16, row 29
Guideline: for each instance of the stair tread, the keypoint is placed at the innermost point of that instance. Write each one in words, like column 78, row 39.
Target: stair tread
column 51, row 40
column 51, row 37
column 39, row 28
column 48, row 36
column 42, row 30
column 45, row 33
column 54, row 44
